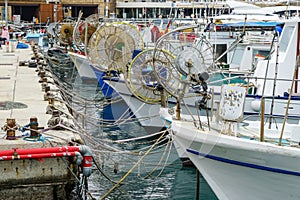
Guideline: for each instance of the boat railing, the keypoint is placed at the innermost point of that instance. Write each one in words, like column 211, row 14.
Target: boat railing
column 236, row 74
column 258, row 38
column 244, row 79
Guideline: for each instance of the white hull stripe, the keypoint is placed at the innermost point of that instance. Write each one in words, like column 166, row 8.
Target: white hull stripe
column 244, row 164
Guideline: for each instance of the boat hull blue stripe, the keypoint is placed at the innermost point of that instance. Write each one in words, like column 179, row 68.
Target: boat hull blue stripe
column 244, row 164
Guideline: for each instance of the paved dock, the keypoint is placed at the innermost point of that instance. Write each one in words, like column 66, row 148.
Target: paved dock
column 22, row 100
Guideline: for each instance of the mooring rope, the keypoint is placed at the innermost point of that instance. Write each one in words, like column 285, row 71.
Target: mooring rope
column 134, row 166
column 160, row 161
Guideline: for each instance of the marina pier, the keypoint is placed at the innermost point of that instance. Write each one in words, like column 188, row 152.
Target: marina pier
column 39, row 159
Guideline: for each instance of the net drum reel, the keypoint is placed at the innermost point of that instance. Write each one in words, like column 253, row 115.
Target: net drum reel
column 51, row 30
column 193, row 59
column 134, row 33
column 141, row 78
column 51, row 33
column 64, row 32
column 112, row 45
column 190, row 67
column 84, row 29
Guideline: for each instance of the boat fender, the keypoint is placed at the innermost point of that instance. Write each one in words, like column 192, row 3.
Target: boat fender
column 255, row 105
column 79, row 158
column 87, row 161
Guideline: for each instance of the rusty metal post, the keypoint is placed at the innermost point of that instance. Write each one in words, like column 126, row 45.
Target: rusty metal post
column 55, row 113
column 10, row 129
column 34, row 127
column 43, row 80
column 55, row 120
column 178, row 109
column 42, row 73
column 47, row 95
column 47, row 88
column 44, row 85
column 35, row 52
column 40, row 68
column 51, row 100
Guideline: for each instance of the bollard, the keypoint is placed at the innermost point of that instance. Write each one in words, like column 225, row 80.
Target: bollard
column 10, row 129
column 44, row 85
column 40, row 68
column 34, row 127
column 43, row 80
column 51, row 101
column 42, row 73
column 50, row 107
column 33, row 47
column 32, row 64
column 55, row 120
column 47, row 88
column 46, row 96
column 21, row 63
column 55, row 113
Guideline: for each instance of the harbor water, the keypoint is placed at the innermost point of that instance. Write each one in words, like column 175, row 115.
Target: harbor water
column 174, row 181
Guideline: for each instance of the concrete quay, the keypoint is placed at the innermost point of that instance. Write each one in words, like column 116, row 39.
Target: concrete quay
column 25, row 125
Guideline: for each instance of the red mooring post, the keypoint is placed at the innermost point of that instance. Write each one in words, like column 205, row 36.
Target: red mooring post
column 34, row 127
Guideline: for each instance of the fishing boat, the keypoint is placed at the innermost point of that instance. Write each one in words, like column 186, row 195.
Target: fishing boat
column 82, row 66
column 235, row 162
column 242, row 159
column 239, row 62
column 147, row 114
column 119, row 151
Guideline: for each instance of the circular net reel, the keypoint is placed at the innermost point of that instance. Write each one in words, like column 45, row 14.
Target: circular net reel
column 193, row 58
column 111, row 46
column 84, row 29
column 141, row 79
column 64, row 32
column 133, row 32
column 51, row 30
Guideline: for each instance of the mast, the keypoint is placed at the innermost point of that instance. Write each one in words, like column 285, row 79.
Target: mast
column 297, row 55
column 274, row 85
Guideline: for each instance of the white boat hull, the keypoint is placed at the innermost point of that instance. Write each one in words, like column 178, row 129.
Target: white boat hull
column 237, row 168
column 147, row 114
column 155, row 123
column 83, row 66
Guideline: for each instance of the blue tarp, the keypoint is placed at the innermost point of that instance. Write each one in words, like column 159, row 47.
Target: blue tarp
column 22, row 45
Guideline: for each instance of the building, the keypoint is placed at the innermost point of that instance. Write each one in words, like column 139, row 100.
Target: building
column 177, row 9
column 56, row 10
